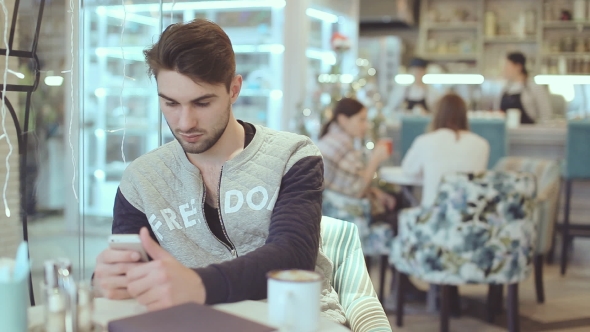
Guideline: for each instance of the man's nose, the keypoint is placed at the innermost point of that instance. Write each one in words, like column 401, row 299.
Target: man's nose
column 188, row 118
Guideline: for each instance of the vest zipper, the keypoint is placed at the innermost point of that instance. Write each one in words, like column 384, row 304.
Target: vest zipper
column 233, row 250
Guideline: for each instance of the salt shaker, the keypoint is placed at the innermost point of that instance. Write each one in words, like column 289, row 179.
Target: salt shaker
column 85, row 307
column 67, row 283
column 55, row 309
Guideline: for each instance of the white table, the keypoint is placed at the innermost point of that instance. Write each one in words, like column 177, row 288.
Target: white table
column 108, row 310
column 396, row 175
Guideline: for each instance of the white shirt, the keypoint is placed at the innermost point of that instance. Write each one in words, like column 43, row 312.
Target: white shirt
column 535, row 99
column 437, row 153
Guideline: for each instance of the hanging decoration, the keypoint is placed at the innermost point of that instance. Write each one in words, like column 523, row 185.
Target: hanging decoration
column 22, row 129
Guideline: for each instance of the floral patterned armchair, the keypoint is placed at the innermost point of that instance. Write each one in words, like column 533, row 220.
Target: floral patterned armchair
column 375, row 238
column 547, row 173
column 481, row 230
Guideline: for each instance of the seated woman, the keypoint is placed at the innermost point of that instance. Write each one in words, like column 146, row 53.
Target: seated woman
column 448, row 147
column 346, row 171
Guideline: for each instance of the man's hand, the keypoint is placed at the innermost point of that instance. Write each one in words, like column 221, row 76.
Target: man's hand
column 163, row 282
column 109, row 275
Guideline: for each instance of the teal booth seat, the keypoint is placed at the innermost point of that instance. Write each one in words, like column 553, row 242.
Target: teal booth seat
column 577, row 167
column 493, row 130
column 412, row 127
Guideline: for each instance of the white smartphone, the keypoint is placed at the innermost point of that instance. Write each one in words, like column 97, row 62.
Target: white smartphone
column 130, row 242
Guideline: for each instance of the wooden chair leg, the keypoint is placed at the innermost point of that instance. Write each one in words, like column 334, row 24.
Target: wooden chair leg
column 445, row 307
column 539, row 278
column 383, row 271
column 491, row 304
column 368, row 264
column 455, row 301
column 494, row 303
column 551, row 254
column 400, row 287
column 565, row 234
column 513, row 317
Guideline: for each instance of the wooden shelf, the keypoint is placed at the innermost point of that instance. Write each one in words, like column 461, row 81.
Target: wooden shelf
column 510, row 40
column 452, row 26
column 567, row 55
column 566, row 24
column 450, row 57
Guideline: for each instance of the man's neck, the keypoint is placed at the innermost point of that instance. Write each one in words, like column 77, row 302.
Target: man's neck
column 229, row 145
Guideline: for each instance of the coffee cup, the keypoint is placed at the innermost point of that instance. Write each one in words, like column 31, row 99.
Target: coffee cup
column 389, row 143
column 294, row 300
column 513, row 117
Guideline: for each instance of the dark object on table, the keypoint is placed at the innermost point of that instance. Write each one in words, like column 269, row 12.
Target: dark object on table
column 189, row 317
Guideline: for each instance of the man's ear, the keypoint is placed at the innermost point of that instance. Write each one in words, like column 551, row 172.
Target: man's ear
column 235, row 88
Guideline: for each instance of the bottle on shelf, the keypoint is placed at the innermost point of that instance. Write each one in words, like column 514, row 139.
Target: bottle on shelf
column 548, row 11
column 490, row 24
column 530, row 22
column 579, row 10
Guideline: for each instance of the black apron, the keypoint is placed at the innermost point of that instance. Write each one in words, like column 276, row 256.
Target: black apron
column 410, row 104
column 514, row 101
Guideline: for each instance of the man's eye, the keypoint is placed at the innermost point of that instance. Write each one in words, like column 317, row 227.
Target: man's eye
column 202, row 104
column 170, row 103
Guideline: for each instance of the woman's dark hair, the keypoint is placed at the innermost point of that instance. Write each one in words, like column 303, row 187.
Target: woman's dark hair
column 347, row 107
column 519, row 59
column 450, row 113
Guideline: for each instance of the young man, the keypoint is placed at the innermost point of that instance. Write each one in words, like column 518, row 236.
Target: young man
column 224, row 203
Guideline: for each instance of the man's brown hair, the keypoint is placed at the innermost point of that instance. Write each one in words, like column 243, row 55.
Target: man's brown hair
column 450, row 113
column 199, row 49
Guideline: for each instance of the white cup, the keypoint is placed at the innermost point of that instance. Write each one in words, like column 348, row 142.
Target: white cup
column 294, row 300
column 513, row 117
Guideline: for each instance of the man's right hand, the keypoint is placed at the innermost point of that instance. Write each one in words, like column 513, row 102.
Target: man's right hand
column 110, row 274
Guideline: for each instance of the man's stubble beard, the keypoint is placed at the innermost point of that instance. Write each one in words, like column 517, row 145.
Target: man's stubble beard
column 205, row 143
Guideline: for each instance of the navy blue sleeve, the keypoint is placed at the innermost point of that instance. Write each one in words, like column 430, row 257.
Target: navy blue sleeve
column 292, row 243
column 127, row 219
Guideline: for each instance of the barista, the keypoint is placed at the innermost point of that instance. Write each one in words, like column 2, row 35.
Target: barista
column 521, row 93
column 418, row 96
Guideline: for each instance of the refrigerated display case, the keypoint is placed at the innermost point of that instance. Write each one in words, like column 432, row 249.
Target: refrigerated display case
column 121, row 119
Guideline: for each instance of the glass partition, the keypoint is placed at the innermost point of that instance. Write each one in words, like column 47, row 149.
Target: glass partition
column 96, row 109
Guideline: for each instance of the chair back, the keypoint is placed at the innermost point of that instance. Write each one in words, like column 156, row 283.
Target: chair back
column 578, row 149
column 481, row 229
column 493, row 131
column 351, row 209
column 341, row 244
column 412, row 127
column 547, row 174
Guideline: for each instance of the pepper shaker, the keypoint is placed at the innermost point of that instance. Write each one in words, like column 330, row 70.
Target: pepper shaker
column 67, row 283
column 85, row 307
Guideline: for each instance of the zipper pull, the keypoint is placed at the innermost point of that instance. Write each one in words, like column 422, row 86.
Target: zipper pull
column 234, row 254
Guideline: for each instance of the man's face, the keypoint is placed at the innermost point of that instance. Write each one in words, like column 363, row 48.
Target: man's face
column 197, row 113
